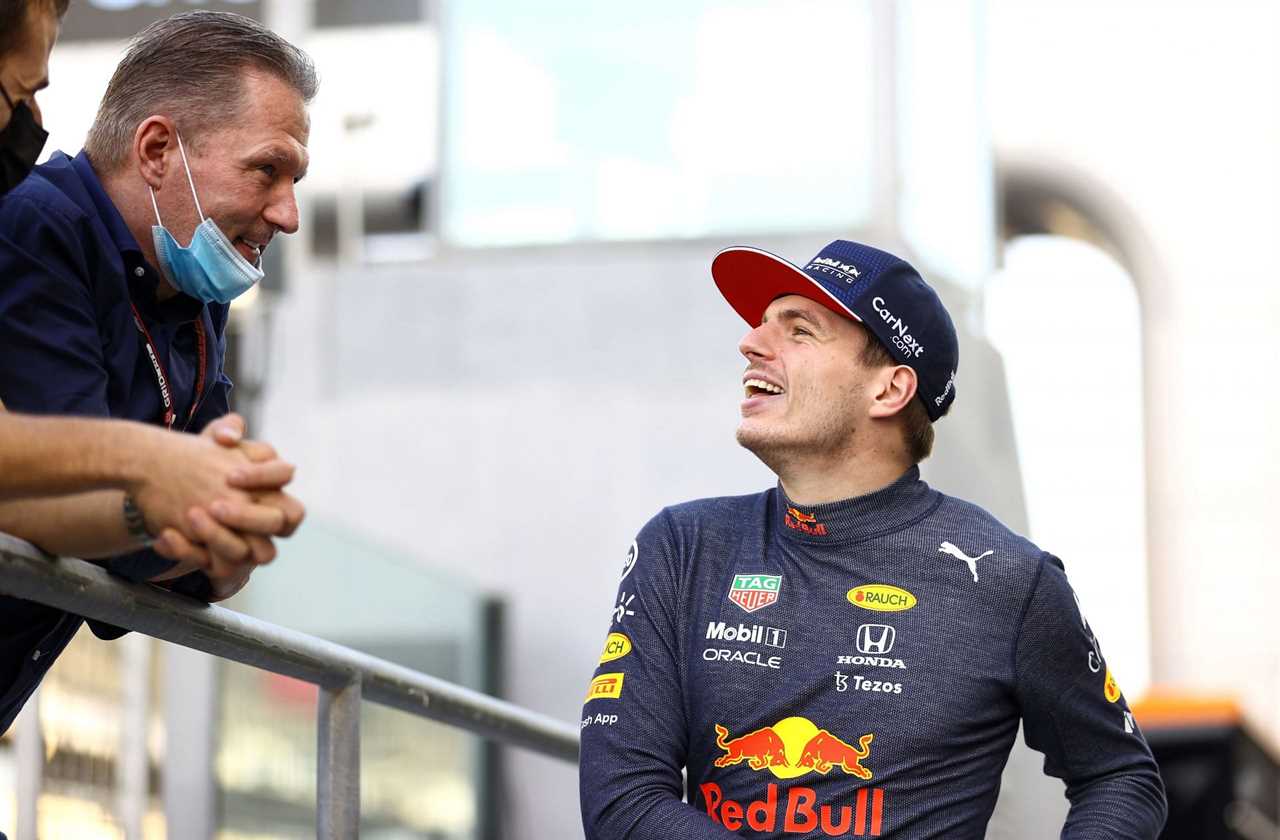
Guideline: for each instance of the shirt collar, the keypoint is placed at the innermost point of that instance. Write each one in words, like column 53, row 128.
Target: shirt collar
column 142, row 276
column 862, row 517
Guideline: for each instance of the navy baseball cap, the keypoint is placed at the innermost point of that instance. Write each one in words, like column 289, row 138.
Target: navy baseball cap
column 880, row 291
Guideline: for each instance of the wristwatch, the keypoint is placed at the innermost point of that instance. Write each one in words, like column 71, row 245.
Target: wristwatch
column 135, row 523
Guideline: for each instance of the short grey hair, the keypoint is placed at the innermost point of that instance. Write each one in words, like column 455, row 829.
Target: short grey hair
column 191, row 68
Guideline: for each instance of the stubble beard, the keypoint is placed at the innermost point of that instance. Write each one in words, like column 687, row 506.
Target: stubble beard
column 784, row 448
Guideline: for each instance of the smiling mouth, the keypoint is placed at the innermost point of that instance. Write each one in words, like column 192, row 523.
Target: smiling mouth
column 758, row 387
column 249, row 249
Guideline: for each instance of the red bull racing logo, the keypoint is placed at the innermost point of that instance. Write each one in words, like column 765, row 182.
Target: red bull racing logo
column 788, row 749
column 805, row 522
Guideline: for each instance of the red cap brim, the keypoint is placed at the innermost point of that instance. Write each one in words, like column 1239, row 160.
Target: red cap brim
column 750, row 279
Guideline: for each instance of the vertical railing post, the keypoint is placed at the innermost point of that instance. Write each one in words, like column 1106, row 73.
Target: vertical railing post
column 29, row 746
column 133, row 759
column 338, row 765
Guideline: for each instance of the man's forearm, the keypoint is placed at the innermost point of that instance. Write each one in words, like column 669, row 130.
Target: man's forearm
column 46, row 456
column 80, row 525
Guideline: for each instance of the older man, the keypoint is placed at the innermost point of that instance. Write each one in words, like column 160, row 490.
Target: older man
column 42, row 458
column 849, row 653
column 109, row 309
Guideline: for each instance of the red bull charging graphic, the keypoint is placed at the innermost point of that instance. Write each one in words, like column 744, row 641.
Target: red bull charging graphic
column 789, row 749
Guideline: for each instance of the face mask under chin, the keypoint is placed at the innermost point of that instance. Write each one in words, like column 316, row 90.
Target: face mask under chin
column 209, row 269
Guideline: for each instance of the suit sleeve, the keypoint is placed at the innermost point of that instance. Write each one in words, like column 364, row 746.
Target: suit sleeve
column 634, row 734
column 1074, row 712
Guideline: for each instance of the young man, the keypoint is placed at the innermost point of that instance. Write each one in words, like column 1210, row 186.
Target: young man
column 850, row 653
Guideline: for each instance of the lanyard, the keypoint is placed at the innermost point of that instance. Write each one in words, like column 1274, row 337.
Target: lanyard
column 162, row 377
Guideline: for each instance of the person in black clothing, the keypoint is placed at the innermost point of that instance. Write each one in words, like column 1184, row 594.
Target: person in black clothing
column 851, row 652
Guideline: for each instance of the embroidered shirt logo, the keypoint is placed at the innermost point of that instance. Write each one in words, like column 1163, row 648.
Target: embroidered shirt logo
column 971, row 562
column 881, row 597
column 755, row 592
column 806, row 523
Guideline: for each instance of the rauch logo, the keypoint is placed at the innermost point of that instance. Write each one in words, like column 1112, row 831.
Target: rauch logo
column 881, row 597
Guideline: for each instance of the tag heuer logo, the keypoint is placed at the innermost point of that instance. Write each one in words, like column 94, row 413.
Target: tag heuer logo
column 755, row 592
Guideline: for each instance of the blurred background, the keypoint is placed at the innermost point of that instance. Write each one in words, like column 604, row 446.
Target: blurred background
column 495, row 350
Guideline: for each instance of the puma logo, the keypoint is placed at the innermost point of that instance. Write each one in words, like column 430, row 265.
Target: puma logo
column 971, row 562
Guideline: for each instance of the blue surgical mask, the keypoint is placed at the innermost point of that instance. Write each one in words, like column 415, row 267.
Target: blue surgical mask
column 210, row 269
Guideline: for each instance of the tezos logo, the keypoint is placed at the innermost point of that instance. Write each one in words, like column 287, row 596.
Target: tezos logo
column 902, row 338
column 881, row 597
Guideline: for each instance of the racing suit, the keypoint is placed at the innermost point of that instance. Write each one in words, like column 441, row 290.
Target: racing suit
column 855, row 669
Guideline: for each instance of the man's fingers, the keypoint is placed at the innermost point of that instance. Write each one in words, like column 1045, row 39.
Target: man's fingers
column 258, row 450
column 226, row 548
column 227, row 430
column 262, row 549
column 172, row 545
column 269, row 475
column 225, row 587
column 249, row 517
column 290, row 509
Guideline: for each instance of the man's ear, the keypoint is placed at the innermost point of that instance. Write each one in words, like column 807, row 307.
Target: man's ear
column 892, row 391
column 153, row 143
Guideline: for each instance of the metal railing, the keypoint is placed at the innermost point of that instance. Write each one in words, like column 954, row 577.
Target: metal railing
column 345, row 676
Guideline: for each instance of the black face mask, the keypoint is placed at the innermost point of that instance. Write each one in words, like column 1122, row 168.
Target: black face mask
column 20, row 144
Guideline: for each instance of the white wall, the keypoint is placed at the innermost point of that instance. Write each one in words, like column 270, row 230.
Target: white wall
column 1174, row 109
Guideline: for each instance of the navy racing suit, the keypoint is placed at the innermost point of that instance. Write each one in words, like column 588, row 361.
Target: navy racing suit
column 855, row 669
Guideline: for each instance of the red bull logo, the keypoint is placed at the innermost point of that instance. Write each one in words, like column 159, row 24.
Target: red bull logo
column 804, row 522
column 793, row 747
column 864, row 818
column 762, row 748
column 788, row 749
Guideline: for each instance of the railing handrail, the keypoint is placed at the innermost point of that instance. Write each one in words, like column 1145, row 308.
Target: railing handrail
column 345, row 676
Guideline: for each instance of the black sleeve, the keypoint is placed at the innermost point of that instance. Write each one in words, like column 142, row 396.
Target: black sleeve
column 1074, row 713
column 634, row 735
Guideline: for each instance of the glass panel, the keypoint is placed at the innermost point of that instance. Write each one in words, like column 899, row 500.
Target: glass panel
column 578, row 120
column 418, row 778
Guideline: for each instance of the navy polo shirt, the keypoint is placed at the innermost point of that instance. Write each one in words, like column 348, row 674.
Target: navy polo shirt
column 69, row 270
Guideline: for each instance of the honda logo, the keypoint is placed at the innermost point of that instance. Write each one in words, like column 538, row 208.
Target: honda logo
column 875, row 638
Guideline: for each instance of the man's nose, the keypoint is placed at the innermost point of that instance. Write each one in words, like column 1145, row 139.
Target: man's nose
column 282, row 212
column 754, row 344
